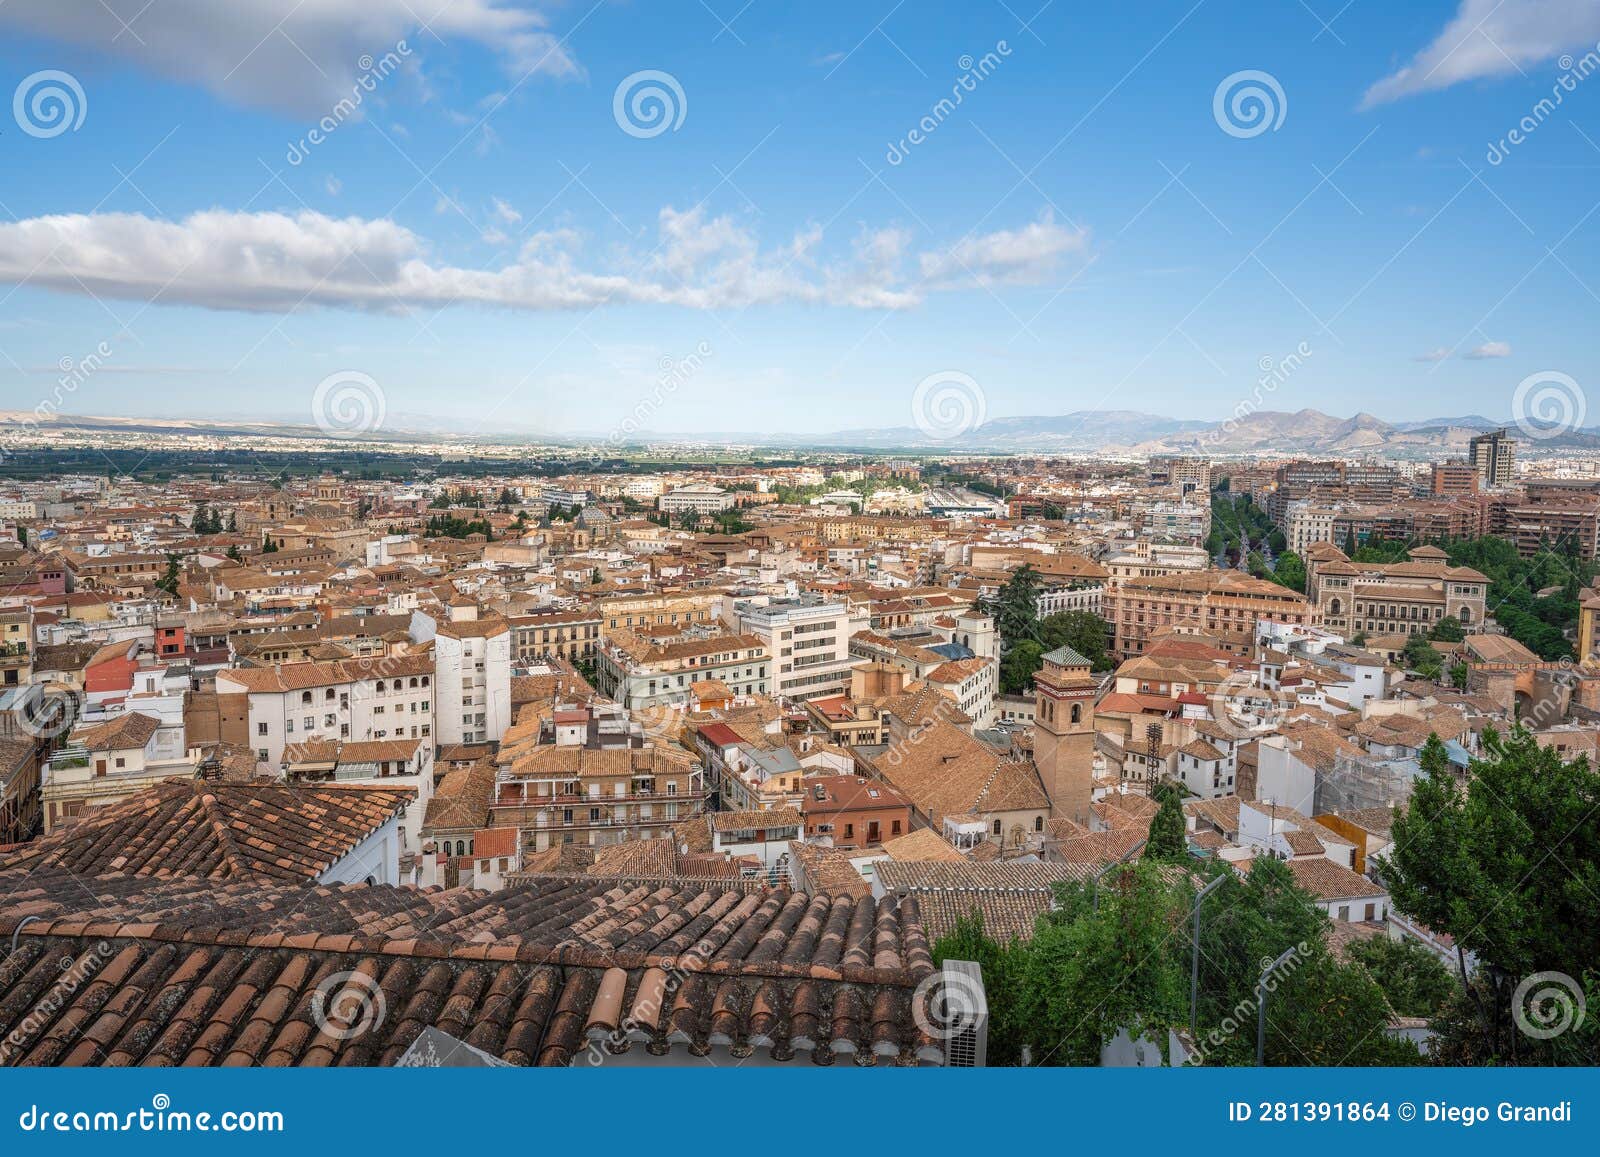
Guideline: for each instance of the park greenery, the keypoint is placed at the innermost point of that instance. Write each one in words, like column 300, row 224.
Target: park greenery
column 1472, row 861
column 1026, row 637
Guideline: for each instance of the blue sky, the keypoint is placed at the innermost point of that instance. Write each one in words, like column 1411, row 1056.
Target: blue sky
column 485, row 242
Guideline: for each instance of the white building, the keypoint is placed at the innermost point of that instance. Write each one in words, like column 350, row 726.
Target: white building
column 389, row 697
column 472, row 659
column 808, row 638
column 701, row 498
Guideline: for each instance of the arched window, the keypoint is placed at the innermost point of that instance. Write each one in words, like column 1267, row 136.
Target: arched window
column 1333, row 607
column 328, row 694
column 305, row 697
column 1466, row 615
column 380, row 686
column 1077, row 713
column 997, row 827
column 1038, row 823
column 461, row 847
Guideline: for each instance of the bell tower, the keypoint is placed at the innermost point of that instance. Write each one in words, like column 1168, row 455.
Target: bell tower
column 1063, row 732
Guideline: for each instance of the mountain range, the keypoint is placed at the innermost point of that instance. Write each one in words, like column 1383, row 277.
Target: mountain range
column 1130, row 432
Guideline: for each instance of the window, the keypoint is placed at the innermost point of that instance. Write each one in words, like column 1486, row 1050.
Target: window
column 997, row 827
column 261, row 728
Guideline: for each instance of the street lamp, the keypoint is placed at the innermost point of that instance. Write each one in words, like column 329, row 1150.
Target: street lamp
column 1261, row 1002
column 1118, row 862
column 1194, row 962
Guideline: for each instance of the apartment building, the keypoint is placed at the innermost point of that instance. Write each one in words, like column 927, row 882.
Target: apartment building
column 699, row 498
column 268, row 709
column 628, row 612
column 569, row 635
column 645, row 674
column 1224, row 604
column 472, row 654
column 591, row 778
column 1493, row 455
column 808, row 638
column 1145, row 559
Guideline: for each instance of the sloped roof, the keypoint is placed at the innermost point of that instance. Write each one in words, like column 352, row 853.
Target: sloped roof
column 219, row 830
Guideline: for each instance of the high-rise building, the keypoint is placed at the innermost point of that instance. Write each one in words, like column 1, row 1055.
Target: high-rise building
column 1493, row 456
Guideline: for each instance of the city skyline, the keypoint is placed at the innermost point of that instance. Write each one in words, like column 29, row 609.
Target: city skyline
column 1059, row 210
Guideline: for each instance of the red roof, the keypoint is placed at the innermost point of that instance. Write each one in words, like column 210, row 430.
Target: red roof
column 493, row 842
column 720, row 734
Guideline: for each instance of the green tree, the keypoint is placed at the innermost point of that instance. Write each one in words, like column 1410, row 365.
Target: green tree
column 1448, row 630
column 1166, row 841
column 1016, row 606
column 1019, row 666
column 1083, row 631
column 1091, row 971
column 169, row 581
column 1422, row 658
column 1290, row 571
column 1508, row 866
column 1412, row 977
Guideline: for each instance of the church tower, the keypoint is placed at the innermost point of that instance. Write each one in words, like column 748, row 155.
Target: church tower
column 1063, row 732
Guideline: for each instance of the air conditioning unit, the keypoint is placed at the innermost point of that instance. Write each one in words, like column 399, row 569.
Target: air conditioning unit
column 966, row 1043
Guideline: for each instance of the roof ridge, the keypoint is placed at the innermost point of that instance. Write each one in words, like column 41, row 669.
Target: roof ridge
column 212, row 809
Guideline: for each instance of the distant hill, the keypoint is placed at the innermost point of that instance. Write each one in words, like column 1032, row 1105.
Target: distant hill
column 1304, row 431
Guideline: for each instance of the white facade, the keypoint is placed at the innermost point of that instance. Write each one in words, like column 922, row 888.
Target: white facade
column 393, row 700
column 807, row 637
column 472, row 660
column 375, row 860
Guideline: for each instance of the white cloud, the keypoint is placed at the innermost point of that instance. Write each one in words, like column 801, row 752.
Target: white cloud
column 503, row 211
column 333, row 185
column 1011, row 256
column 1490, row 38
column 1489, row 349
column 296, row 57
column 277, row 262
column 1437, row 354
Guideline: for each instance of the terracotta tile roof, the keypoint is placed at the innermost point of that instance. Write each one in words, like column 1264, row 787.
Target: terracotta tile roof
column 189, row 972
column 461, row 800
column 944, row 771
column 1329, row 881
column 1008, row 896
column 219, row 831
column 127, row 732
column 922, row 844
column 783, row 817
